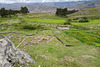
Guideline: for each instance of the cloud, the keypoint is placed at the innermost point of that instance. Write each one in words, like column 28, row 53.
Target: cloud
column 29, row 1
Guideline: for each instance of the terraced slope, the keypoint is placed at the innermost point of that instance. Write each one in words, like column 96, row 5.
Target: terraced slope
column 91, row 13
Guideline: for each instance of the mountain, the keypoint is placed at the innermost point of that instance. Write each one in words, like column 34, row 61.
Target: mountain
column 52, row 6
column 34, row 1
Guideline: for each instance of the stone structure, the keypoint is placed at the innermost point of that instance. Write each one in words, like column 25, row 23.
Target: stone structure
column 63, row 28
column 10, row 55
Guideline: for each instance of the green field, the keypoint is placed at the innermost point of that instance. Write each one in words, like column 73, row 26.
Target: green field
column 88, row 23
column 43, row 45
column 31, row 19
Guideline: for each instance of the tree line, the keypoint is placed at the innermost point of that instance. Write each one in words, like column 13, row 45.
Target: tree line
column 64, row 11
column 6, row 13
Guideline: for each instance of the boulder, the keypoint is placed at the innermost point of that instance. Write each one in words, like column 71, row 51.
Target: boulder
column 63, row 28
column 10, row 55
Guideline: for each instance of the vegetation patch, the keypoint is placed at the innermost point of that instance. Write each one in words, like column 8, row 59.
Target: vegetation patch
column 29, row 27
column 83, row 20
column 84, row 37
column 90, row 22
column 43, row 20
column 91, row 13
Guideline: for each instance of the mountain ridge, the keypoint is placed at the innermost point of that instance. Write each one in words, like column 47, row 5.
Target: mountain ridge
column 37, row 1
column 52, row 6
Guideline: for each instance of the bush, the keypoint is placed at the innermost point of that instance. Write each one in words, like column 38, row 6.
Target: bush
column 75, row 18
column 29, row 27
column 33, row 27
column 84, row 19
column 67, row 23
column 69, row 20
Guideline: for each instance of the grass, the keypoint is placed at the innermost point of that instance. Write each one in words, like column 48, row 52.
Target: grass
column 43, row 20
column 56, row 52
column 88, row 23
column 10, row 20
column 91, row 13
column 85, row 38
column 45, row 16
column 85, row 50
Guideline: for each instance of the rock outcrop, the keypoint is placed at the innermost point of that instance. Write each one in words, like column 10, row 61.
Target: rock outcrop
column 10, row 55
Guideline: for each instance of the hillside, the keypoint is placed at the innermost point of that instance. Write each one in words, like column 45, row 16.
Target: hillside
column 41, row 9
column 91, row 13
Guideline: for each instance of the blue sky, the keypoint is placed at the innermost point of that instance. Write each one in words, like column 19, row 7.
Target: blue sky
column 27, row 1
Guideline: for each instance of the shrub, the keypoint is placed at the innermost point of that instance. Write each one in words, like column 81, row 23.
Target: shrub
column 69, row 20
column 75, row 18
column 84, row 19
column 29, row 27
column 67, row 23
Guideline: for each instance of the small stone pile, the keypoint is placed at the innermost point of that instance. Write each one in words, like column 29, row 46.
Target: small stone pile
column 10, row 55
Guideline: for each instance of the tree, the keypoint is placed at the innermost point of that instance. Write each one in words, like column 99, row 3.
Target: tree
column 10, row 12
column 61, row 12
column 6, row 13
column 3, row 12
column 64, row 12
column 84, row 19
column 24, row 10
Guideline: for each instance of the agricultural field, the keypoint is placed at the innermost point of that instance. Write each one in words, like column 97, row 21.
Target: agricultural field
column 89, row 23
column 37, row 35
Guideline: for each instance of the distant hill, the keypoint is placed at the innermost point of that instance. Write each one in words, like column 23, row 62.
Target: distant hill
column 13, row 5
column 91, row 13
column 52, row 6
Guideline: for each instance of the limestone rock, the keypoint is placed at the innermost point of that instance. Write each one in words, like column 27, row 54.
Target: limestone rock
column 63, row 28
column 10, row 55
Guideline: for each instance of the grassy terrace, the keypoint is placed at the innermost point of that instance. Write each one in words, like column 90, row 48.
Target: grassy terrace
column 43, row 20
column 88, row 23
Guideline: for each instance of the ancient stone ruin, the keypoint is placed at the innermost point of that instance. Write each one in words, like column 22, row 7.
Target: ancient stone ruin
column 63, row 28
column 11, row 56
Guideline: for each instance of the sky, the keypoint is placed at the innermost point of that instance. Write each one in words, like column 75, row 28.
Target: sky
column 29, row 1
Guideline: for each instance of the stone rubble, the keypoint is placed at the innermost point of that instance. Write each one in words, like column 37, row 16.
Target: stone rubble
column 10, row 55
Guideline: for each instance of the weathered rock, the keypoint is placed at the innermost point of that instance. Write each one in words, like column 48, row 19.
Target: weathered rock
column 10, row 55
column 63, row 28
column 57, row 32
